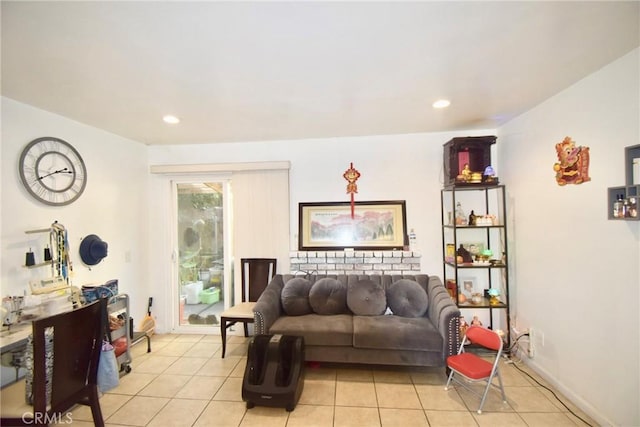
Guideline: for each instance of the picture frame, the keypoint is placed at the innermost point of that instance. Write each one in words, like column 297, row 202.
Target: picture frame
column 468, row 287
column 376, row 225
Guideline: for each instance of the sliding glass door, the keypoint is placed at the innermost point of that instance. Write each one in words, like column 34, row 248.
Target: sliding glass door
column 202, row 268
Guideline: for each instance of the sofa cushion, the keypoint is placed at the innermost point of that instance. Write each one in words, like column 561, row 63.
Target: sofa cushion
column 295, row 297
column 328, row 296
column 317, row 329
column 396, row 333
column 407, row 298
column 366, row 298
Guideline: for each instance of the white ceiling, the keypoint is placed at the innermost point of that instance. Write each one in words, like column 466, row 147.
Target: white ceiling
column 247, row 71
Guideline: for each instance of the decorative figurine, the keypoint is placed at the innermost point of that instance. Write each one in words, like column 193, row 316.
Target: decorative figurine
column 472, row 218
column 465, row 174
column 494, row 294
column 476, row 321
column 463, row 327
column 489, row 174
column 573, row 163
column 462, row 252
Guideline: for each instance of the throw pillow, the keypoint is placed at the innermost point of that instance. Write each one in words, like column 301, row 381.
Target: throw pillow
column 407, row 298
column 328, row 296
column 366, row 298
column 295, row 297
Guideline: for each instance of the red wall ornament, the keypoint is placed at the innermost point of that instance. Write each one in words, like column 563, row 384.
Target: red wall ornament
column 352, row 175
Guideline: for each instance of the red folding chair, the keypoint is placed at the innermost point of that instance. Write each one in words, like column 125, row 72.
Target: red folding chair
column 469, row 368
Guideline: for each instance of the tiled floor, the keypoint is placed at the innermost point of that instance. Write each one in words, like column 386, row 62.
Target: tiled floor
column 184, row 382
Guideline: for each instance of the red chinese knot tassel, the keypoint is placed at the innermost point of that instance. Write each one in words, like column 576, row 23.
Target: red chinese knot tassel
column 352, row 175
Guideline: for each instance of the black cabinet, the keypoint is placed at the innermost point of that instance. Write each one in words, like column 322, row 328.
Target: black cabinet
column 474, row 151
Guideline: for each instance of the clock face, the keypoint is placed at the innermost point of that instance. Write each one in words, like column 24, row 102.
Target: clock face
column 52, row 171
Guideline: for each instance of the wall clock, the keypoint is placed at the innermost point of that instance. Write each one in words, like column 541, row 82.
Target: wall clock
column 52, row 171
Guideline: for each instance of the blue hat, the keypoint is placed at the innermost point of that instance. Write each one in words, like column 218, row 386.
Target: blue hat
column 92, row 249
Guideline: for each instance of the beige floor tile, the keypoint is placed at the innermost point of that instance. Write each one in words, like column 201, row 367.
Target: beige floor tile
column 138, row 411
column 346, row 416
column 400, row 396
column 450, row 419
column 499, row 419
column 179, row 413
column 12, row 399
column 186, row 365
column 221, row 414
column 211, row 339
column 237, row 339
column 261, row 416
column 396, row 377
column 355, row 393
column 132, row 383
column 529, row 399
column 140, row 348
column 219, row 367
column 319, row 373
column 403, row 417
column 154, row 364
column 184, row 381
column 175, row 348
column 200, row 387
column 318, row 392
column 76, row 423
column 109, row 404
column 311, row 416
column 233, row 350
column 203, row 349
column 493, row 402
column 544, row 419
column 355, row 374
column 189, row 338
column 238, row 371
column 157, row 338
column 434, row 376
column 435, row 397
column 511, row 377
column 231, row 390
column 165, row 385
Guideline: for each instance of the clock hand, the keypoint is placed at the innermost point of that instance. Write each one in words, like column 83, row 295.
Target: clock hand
column 63, row 170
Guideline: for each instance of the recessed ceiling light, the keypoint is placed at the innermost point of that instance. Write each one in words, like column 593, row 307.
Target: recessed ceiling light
column 441, row 103
column 172, row 120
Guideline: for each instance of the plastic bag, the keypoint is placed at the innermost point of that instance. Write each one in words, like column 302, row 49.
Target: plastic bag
column 108, row 375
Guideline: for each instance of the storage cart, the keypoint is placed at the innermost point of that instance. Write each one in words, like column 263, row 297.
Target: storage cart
column 119, row 333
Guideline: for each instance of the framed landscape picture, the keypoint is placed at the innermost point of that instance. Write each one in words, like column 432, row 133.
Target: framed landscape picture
column 380, row 225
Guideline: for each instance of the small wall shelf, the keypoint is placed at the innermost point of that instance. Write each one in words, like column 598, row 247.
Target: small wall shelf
column 629, row 191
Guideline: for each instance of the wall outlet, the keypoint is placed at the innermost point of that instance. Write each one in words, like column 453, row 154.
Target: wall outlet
column 530, row 348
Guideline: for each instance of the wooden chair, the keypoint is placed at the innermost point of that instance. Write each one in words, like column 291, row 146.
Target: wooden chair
column 256, row 274
column 473, row 368
column 77, row 343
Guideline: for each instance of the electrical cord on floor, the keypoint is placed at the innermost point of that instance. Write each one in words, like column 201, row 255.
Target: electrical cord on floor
column 513, row 344
column 542, row 385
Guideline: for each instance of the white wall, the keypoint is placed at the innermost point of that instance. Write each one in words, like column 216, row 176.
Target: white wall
column 576, row 274
column 113, row 205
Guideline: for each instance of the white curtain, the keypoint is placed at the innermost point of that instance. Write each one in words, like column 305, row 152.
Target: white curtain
column 260, row 218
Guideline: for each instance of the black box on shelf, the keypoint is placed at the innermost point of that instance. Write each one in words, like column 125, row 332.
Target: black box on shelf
column 466, row 159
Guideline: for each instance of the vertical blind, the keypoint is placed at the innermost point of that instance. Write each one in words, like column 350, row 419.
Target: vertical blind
column 260, row 218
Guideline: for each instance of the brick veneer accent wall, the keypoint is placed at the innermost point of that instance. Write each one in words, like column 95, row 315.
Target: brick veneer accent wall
column 354, row 262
